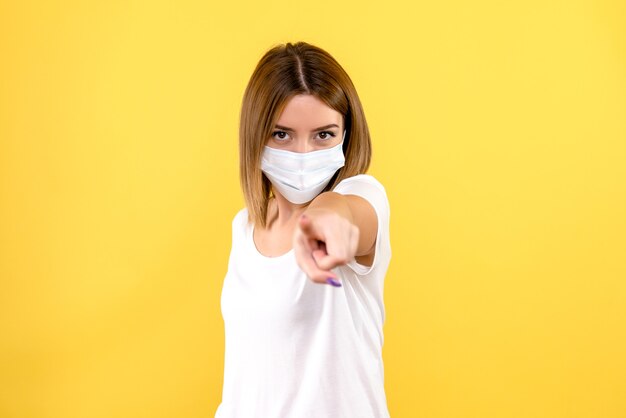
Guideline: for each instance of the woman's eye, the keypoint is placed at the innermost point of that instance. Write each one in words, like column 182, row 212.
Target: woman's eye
column 280, row 135
column 326, row 135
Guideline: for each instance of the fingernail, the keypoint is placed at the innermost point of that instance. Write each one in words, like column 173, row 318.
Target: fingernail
column 332, row 281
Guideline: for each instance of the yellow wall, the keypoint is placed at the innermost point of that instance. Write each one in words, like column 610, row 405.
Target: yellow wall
column 499, row 131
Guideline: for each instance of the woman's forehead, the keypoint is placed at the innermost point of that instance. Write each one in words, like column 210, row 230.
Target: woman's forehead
column 308, row 112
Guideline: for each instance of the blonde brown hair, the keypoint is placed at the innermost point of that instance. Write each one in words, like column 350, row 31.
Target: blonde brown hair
column 284, row 71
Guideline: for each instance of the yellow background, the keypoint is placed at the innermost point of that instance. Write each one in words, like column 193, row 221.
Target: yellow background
column 499, row 132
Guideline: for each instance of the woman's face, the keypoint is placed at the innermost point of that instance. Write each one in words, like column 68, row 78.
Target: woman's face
column 306, row 124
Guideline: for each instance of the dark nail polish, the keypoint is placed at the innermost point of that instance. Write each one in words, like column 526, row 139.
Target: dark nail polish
column 332, row 281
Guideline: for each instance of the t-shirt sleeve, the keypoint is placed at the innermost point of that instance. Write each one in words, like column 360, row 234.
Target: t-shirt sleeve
column 240, row 218
column 238, row 224
column 369, row 188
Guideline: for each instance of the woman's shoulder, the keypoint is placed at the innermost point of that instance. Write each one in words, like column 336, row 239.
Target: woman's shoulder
column 241, row 218
column 359, row 181
column 369, row 188
column 361, row 184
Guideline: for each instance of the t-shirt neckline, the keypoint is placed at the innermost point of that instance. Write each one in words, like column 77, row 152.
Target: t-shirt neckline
column 258, row 253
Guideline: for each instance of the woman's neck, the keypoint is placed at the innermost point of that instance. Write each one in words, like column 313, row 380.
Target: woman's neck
column 282, row 212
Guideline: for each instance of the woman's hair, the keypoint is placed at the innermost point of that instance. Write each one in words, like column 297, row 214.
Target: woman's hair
column 284, row 71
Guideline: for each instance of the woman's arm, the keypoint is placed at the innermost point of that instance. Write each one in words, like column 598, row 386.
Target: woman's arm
column 333, row 230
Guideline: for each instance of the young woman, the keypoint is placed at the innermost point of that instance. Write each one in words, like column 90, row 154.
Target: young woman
column 302, row 300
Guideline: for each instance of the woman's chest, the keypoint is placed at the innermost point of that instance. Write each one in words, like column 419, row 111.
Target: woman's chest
column 257, row 294
column 273, row 243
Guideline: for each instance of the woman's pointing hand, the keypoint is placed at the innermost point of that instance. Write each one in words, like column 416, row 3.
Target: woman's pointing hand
column 323, row 240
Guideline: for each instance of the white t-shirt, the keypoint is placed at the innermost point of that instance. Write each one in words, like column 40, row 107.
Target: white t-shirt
column 299, row 349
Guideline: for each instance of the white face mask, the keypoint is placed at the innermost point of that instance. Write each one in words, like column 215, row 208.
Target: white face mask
column 301, row 176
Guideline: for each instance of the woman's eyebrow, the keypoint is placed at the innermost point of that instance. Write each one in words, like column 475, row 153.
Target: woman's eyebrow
column 284, row 128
